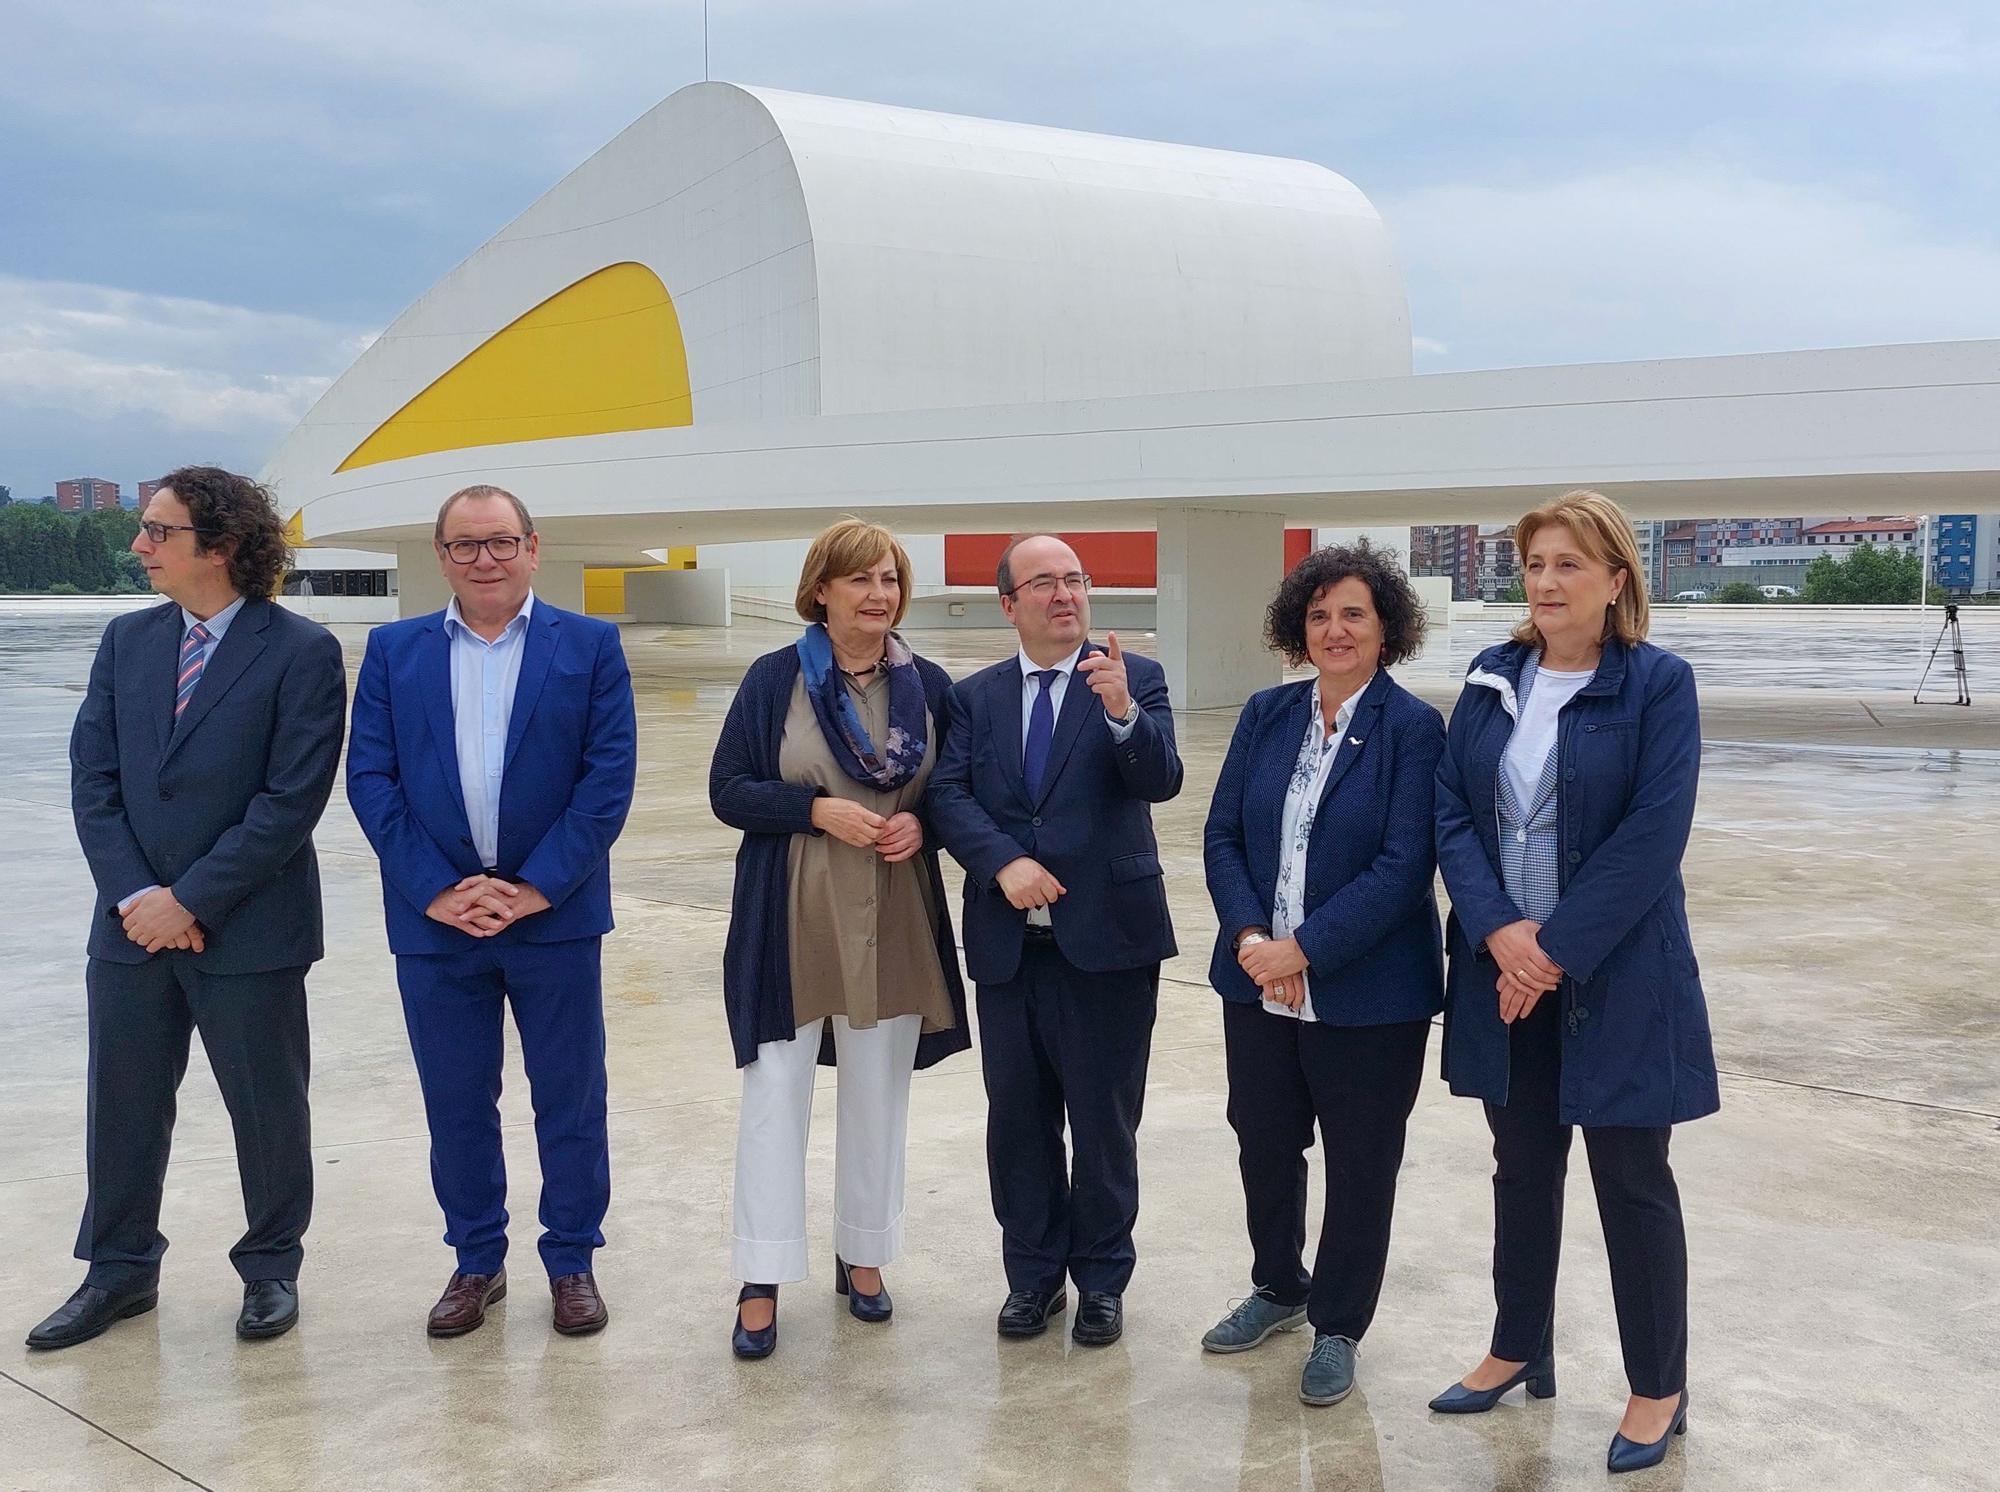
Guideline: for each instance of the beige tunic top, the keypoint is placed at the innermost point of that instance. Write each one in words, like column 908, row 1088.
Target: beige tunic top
column 862, row 930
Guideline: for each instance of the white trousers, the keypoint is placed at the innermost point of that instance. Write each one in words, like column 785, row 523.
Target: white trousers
column 873, row 1114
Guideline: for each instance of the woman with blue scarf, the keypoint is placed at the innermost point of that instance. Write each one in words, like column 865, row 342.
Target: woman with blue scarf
column 840, row 947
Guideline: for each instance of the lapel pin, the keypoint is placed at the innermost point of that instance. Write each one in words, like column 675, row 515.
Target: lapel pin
column 1354, row 740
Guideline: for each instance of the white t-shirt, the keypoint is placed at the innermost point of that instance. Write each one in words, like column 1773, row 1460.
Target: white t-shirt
column 1535, row 730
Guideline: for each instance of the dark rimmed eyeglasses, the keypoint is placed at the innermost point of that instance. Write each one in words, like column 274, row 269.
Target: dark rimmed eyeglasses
column 1044, row 586
column 157, row 532
column 502, row 547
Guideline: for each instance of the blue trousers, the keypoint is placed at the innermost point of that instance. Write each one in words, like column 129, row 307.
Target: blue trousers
column 1059, row 1044
column 452, row 1004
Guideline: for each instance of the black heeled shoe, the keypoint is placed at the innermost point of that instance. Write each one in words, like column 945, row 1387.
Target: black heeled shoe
column 1458, row 1399
column 745, row 1342
column 1630, row 1455
column 876, row 1307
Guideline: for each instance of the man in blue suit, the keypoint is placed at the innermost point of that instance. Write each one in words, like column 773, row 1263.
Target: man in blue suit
column 201, row 759
column 1043, row 792
column 491, row 765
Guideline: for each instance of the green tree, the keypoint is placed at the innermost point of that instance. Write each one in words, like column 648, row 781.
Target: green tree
column 36, row 548
column 1516, row 592
column 90, row 565
column 1867, row 577
column 1739, row 593
column 6, row 495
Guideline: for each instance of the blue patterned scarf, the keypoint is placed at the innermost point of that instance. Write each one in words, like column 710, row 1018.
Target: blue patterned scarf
column 902, row 754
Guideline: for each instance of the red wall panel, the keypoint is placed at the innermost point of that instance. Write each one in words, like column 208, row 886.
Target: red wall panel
column 1114, row 559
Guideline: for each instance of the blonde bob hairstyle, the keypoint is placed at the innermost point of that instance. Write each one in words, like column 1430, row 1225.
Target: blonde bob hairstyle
column 1603, row 533
column 847, row 548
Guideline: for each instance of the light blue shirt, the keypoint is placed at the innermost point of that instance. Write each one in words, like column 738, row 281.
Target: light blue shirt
column 1031, row 686
column 217, row 625
column 483, row 677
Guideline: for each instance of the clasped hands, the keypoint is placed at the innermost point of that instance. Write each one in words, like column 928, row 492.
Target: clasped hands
column 1526, row 973
column 482, row 905
column 896, row 837
column 1279, row 967
column 156, row 920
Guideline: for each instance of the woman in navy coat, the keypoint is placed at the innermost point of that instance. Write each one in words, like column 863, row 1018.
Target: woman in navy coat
column 1564, row 801
column 840, row 945
column 1319, row 856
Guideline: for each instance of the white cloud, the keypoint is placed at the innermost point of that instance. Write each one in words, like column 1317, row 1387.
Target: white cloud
column 190, row 365
column 1681, row 259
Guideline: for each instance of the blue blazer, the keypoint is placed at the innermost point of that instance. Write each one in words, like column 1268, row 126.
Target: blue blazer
column 1370, row 935
column 1091, row 826
column 221, row 804
column 747, row 792
column 564, row 790
column 1635, row 1040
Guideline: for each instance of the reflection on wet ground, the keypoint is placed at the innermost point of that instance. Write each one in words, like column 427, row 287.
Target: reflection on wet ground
column 1840, row 1206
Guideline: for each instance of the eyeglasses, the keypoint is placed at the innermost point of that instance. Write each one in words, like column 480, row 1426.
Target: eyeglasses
column 502, row 547
column 1044, row 586
column 157, row 532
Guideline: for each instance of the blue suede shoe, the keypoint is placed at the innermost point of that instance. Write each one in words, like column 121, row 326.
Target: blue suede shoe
column 876, row 1307
column 1249, row 1322
column 1630, row 1455
column 1329, row 1372
column 1458, row 1399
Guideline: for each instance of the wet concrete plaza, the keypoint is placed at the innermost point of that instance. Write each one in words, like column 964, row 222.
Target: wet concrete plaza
column 1842, row 1217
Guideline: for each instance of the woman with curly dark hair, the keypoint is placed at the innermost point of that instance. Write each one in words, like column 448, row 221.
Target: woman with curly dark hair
column 1319, row 856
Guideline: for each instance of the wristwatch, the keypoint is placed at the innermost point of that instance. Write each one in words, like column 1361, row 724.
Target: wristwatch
column 1249, row 936
column 1131, row 715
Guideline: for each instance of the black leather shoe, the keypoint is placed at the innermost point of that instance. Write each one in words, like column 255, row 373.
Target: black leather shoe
column 753, row 1344
column 1027, row 1312
column 270, row 1309
column 90, row 1313
column 876, row 1307
column 1100, row 1318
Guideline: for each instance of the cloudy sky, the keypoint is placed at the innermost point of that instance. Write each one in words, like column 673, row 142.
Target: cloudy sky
column 207, row 207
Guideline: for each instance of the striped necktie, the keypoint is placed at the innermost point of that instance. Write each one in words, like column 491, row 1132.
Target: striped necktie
column 194, row 654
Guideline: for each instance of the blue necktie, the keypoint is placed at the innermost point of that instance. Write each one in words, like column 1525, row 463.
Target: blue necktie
column 1041, row 730
column 194, row 653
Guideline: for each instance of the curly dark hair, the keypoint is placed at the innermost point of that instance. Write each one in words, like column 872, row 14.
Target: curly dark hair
column 234, row 513
column 1396, row 601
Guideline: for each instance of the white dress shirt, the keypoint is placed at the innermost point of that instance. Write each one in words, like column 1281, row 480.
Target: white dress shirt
column 1030, row 688
column 1317, row 754
column 483, row 678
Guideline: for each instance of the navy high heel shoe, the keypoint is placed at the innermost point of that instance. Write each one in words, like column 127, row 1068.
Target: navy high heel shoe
column 1458, row 1399
column 1630, row 1455
column 876, row 1307
column 747, row 1343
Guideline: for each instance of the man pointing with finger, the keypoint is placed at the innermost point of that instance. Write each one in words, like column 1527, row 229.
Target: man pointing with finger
column 1043, row 792
column 491, row 765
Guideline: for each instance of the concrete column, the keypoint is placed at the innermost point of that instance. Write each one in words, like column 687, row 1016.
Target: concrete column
column 420, row 589
column 685, row 598
column 1216, row 574
column 560, row 582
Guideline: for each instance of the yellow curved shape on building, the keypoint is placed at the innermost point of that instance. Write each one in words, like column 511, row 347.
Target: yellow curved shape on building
column 603, row 355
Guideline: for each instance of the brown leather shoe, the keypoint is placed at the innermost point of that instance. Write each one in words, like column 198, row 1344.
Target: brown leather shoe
column 462, row 1307
column 579, row 1308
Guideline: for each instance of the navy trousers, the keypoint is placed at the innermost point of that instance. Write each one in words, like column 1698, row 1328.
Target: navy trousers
column 452, row 1004
column 253, row 1027
column 1637, row 1202
column 1358, row 1084
column 1056, row 1043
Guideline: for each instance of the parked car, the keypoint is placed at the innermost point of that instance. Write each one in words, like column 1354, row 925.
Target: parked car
column 1778, row 592
column 1694, row 595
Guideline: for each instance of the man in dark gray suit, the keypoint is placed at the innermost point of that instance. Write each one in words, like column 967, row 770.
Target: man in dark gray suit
column 200, row 761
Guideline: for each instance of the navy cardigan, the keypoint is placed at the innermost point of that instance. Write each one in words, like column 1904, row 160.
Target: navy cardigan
column 747, row 793
column 1370, row 934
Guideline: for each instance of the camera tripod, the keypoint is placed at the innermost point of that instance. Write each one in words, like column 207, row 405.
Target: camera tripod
column 1957, row 661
